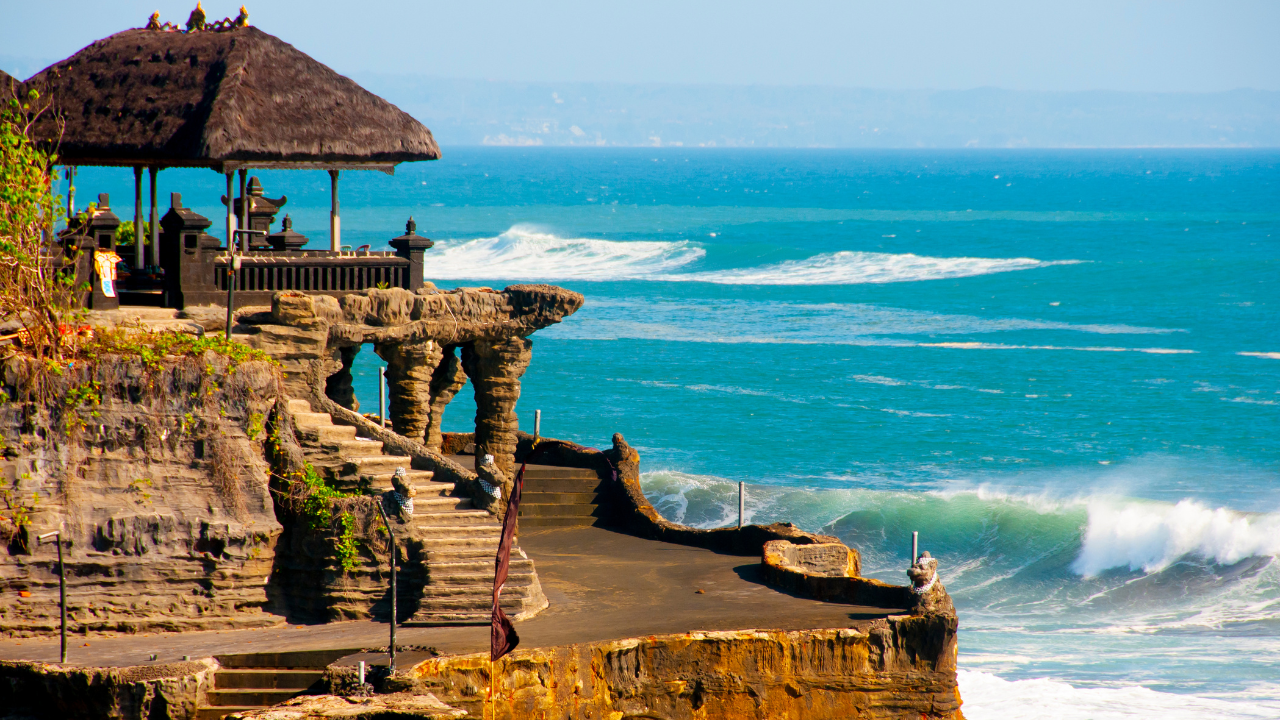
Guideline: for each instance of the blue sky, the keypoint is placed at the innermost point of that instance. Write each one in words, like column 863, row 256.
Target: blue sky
column 1081, row 45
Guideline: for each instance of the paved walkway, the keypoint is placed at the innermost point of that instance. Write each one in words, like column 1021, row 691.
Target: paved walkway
column 602, row 585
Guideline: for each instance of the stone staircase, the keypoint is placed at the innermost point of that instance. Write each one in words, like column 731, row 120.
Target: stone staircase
column 456, row 541
column 554, row 496
column 252, row 682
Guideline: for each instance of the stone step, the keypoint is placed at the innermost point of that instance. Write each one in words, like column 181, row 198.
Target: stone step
column 318, row 435
column 436, row 503
column 376, row 464
column 458, row 532
column 556, row 521
column 479, row 601
column 435, row 619
column 536, row 497
column 298, row 406
column 536, row 510
column 475, row 580
column 356, row 448
column 248, row 697
column 563, row 485
column 312, row 419
column 431, row 517
column 217, row 713
column 431, row 490
column 266, row 679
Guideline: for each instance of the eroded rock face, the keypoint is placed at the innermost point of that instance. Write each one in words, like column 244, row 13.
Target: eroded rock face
column 433, row 342
column 159, row 488
column 902, row 667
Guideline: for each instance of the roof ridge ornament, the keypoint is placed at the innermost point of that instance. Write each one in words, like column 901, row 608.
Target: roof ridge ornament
column 196, row 22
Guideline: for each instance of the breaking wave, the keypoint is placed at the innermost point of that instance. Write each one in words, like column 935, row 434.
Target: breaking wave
column 856, row 268
column 526, row 253
column 989, row 697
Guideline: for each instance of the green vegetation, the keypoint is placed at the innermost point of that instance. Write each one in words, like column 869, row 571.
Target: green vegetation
column 316, row 503
column 37, row 281
column 154, row 347
column 125, row 234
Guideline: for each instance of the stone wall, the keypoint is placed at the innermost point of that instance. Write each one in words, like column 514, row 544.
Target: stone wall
column 901, row 667
column 152, row 692
column 157, row 483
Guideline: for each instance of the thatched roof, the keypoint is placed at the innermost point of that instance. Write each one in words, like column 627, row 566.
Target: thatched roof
column 220, row 99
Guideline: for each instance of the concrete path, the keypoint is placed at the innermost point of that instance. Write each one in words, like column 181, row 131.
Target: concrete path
column 602, row 585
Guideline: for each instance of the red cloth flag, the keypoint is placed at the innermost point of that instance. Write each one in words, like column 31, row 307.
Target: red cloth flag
column 503, row 638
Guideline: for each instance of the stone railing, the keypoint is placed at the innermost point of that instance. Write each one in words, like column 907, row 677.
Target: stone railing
column 831, row 572
column 262, row 273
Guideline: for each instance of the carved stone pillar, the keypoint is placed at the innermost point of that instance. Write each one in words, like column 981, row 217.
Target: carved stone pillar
column 338, row 387
column 447, row 378
column 410, row 369
column 495, row 368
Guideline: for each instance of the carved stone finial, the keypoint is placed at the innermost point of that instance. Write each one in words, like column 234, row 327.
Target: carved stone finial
column 255, row 186
column 195, row 21
column 410, row 227
column 287, row 224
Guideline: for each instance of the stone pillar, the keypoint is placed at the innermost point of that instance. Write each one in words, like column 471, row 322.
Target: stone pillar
column 495, row 368
column 338, row 387
column 446, row 380
column 410, row 369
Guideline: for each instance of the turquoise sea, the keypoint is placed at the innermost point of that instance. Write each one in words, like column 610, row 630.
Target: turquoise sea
column 1061, row 367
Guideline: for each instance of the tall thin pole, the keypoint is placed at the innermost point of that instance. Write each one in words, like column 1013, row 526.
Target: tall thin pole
column 155, row 220
column 231, row 235
column 391, row 649
column 139, row 244
column 742, row 502
column 382, row 396
column 335, row 222
column 62, row 588
column 915, row 547
column 62, row 600
column 71, row 193
column 244, row 211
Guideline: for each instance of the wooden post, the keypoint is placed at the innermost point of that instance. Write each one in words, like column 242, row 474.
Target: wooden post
column 231, row 234
column 139, row 244
column 391, row 649
column 62, row 588
column 335, row 222
column 71, row 193
column 155, row 220
column 742, row 502
column 244, row 211
column 382, row 396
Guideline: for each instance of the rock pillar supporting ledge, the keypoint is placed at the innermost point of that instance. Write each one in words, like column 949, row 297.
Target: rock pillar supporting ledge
column 495, row 368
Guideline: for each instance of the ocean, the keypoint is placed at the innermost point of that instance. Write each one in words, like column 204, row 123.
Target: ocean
column 1061, row 367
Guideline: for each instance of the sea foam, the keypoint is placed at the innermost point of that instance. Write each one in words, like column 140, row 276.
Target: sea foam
column 987, row 696
column 526, row 253
column 1151, row 536
column 855, row 268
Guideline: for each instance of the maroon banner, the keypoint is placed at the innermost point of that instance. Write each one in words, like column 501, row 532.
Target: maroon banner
column 503, row 638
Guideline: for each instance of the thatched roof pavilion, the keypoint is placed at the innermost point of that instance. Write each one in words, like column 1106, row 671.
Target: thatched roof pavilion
column 221, row 99
column 225, row 96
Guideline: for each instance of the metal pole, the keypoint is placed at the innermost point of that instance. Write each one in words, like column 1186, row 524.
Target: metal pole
column 231, row 237
column 244, row 210
column 915, row 547
column 382, row 397
column 537, row 424
column 139, row 246
column 391, row 649
column 361, row 672
column 62, row 588
column 335, row 223
column 231, row 285
column 71, row 192
column 742, row 502
column 155, row 221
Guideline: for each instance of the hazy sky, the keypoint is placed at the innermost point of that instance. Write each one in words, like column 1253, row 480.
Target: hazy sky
column 911, row 44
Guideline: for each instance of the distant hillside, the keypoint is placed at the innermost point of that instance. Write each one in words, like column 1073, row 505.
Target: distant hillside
column 474, row 112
